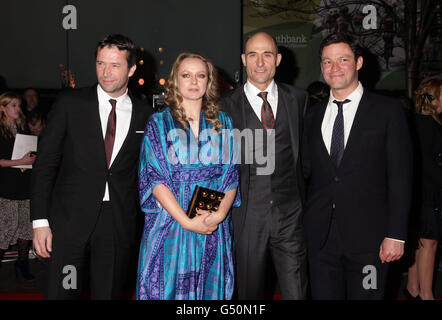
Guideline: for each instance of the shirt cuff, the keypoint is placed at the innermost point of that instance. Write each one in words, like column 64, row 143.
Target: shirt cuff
column 39, row 223
column 395, row 240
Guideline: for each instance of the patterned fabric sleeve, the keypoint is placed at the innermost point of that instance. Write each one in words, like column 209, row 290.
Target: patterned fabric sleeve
column 153, row 169
column 231, row 169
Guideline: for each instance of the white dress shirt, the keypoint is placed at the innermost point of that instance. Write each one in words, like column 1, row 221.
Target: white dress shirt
column 123, row 111
column 256, row 102
column 349, row 112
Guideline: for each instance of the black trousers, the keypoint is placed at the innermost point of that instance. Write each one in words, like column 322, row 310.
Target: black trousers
column 100, row 259
column 271, row 231
column 338, row 275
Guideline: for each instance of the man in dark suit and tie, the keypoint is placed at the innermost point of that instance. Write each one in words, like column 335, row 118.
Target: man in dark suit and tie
column 88, row 211
column 357, row 156
column 269, row 221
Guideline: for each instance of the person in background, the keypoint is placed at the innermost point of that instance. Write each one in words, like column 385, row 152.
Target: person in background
column 15, row 224
column 318, row 91
column 180, row 257
column 428, row 131
column 35, row 122
column 30, row 101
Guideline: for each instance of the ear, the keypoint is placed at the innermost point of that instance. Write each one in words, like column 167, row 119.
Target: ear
column 278, row 59
column 359, row 63
column 243, row 58
column 132, row 70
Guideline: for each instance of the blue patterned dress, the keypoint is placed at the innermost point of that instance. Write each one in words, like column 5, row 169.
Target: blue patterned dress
column 175, row 263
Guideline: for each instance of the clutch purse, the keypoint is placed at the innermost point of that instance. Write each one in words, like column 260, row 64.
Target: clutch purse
column 204, row 199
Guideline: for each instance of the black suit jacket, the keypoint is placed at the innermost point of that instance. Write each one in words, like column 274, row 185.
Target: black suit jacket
column 428, row 145
column 371, row 189
column 295, row 101
column 73, row 143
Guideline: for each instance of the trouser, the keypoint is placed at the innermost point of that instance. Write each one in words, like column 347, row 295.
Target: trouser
column 337, row 275
column 278, row 233
column 101, row 259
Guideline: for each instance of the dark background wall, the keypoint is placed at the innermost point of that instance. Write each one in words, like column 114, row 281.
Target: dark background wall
column 34, row 41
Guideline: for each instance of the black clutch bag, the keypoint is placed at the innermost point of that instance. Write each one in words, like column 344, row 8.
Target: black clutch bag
column 204, row 199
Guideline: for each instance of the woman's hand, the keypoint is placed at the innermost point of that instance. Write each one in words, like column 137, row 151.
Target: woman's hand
column 28, row 159
column 199, row 225
column 214, row 218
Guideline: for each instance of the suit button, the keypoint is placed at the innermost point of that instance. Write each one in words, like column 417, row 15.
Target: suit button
column 271, row 201
column 439, row 154
column 336, row 179
column 334, row 206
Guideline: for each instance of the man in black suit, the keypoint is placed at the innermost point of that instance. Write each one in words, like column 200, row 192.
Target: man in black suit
column 357, row 155
column 88, row 211
column 268, row 223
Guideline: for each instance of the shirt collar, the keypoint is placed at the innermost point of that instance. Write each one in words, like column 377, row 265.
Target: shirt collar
column 253, row 91
column 354, row 97
column 103, row 96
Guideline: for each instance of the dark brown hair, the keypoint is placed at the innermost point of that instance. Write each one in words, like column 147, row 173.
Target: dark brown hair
column 427, row 98
column 341, row 37
column 122, row 43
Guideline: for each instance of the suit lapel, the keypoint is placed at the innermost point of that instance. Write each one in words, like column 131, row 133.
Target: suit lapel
column 242, row 110
column 293, row 117
column 318, row 140
column 95, row 114
column 362, row 114
column 135, row 107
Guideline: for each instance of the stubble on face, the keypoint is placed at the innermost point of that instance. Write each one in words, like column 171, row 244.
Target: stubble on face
column 261, row 59
column 340, row 68
column 112, row 70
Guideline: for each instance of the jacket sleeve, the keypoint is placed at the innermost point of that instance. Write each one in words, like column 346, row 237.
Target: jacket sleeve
column 427, row 138
column 399, row 173
column 50, row 148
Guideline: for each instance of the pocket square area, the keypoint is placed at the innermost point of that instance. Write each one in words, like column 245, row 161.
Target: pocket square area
column 139, row 131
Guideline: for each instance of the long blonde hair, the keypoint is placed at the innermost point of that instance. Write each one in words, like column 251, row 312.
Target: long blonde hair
column 174, row 99
column 5, row 99
column 427, row 98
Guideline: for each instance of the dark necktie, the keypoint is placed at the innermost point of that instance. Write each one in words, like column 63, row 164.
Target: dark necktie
column 109, row 138
column 267, row 118
column 337, row 141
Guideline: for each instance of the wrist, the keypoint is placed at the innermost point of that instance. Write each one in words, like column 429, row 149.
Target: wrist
column 220, row 215
column 185, row 223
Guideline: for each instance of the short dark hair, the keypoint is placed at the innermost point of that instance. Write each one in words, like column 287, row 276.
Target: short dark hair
column 341, row 37
column 122, row 43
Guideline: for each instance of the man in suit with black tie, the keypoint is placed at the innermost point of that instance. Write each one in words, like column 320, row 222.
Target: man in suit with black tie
column 88, row 211
column 357, row 155
column 269, row 221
